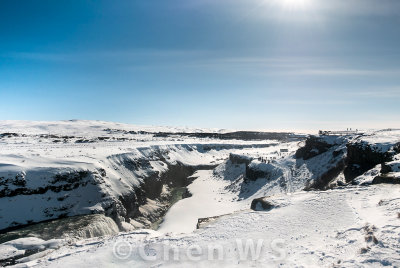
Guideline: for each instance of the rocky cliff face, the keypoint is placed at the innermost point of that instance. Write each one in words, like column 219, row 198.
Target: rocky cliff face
column 323, row 162
column 313, row 146
column 13, row 186
column 350, row 157
column 267, row 171
column 60, row 194
column 362, row 157
column 324, row 158
column 324, row 180
column 134, row 189
column 238, row 159
column 49, row 193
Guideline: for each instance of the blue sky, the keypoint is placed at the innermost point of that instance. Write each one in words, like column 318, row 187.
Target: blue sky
column 242, row 64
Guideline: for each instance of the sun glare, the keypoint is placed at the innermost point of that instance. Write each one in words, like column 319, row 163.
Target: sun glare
column 295, row 4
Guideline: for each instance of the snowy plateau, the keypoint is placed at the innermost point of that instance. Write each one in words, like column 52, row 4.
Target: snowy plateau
column 100, row 194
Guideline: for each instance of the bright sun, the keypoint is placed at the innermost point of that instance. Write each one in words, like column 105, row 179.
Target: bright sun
column 295, row 4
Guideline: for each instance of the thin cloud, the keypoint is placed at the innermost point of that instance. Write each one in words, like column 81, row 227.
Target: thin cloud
column 296, row 66
column 101, row 55
column 364, row 7
column 309, row 102
column 343, row 72
column 377, row 93
column 260, row 66
column 38, row 56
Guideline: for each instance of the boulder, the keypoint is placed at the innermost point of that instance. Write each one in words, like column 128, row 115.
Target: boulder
column 262, row 204
column 386, row 179
column 390, row 167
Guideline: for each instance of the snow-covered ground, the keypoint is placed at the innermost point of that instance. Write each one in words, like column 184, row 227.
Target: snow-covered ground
column 84, row 167
column 209, row 199
column 352, row 227
column 50, row 169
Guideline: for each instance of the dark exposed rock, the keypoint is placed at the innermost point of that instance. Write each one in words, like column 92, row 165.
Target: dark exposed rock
column 262, row 204
column 396, row 148
column 70, row 177
column 336, row 153
column 122, row 131
column 187, row 194
column 153, row 185
column 239, row 159
column 322, row 183
column 102, row 172
column 62, row 198
column 60, row 182
column 178, row 175
column 267, row 171
column 361, row 157
column 8, row 135
column 131, row 203
column 175, row 176
column 19, row 180
column 313, row 146
column 202, row 222
column 253, row 173
column 386, row 179
column 238, row 135
column 84, row 141
column 136, row 164
column 385, row 168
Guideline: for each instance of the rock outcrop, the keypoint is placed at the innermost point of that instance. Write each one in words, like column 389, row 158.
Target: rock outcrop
column 258, row 170
column 239, row 159
column 389, row 179
column 362, row 157
column 263, row 204
column 313, row 146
